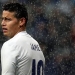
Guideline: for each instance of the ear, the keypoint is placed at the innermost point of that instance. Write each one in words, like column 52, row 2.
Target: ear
column 22, row 22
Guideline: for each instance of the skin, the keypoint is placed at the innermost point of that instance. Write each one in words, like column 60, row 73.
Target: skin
column 11, row 25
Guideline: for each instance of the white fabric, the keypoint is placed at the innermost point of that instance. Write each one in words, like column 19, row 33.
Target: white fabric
column 17, row 55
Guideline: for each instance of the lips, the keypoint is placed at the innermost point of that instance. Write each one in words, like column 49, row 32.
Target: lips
column 4, row 29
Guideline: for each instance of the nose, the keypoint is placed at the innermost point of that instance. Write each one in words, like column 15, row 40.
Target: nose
column 3, row 23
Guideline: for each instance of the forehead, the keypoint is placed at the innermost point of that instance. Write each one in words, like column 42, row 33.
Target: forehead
column 8, row 14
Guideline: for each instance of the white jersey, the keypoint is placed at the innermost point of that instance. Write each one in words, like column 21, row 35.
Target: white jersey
column 21, row 55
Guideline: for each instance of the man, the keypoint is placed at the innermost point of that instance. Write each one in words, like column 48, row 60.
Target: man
column 21, row 54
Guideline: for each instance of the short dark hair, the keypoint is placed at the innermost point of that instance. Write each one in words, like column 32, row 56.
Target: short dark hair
column 19, row 9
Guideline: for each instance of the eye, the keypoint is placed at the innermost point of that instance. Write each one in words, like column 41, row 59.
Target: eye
column 7, row 19
column 1, row 18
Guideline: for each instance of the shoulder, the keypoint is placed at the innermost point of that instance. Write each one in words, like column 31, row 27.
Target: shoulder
column 10, row 49
column 10, row 45
column 20, row 40
column 23, row 38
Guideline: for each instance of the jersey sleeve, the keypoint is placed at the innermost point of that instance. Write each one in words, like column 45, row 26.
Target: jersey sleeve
column 8, row 59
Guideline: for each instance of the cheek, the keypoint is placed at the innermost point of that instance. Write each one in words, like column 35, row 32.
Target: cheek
column 13, row 26
column 12, row 29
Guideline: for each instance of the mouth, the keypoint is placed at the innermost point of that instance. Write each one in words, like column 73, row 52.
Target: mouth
column 4, row 29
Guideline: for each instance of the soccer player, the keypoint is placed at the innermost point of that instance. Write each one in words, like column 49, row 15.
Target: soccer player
column 21, row 54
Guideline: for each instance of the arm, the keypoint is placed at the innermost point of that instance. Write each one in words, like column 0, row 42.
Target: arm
column 8, row 60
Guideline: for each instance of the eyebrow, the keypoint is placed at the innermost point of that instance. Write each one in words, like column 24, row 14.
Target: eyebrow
column 5, row 18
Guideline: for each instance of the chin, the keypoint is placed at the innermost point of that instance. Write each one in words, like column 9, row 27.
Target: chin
column 5, row 34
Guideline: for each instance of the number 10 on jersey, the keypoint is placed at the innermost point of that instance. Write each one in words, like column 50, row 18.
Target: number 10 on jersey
column 37, row 69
